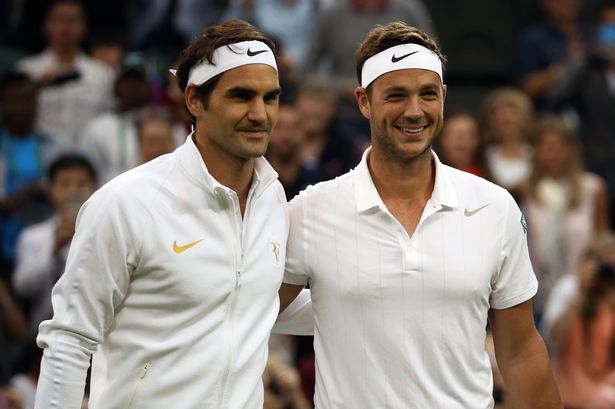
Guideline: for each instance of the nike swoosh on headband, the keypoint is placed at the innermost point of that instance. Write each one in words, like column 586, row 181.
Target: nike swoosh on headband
column 396, row 59
column 253, row 53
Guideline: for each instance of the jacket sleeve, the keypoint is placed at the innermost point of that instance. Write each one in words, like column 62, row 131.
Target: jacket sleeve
column 102, row 256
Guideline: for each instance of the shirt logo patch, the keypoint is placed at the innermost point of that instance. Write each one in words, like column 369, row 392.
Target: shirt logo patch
column 275, row 249
column 523, row 223
column 180, row 249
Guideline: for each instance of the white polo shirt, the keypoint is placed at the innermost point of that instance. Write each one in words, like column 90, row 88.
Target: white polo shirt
column 400, row 321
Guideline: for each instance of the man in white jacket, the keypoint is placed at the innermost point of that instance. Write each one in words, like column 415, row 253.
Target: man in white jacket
column 172, row 276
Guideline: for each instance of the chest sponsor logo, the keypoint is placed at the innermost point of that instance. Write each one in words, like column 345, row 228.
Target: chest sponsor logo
column 181, row 248
column 468, row 213
column 523, row 223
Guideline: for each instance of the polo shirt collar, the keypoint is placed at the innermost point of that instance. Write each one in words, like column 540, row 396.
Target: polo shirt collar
column 191, row 161
column 367, row 197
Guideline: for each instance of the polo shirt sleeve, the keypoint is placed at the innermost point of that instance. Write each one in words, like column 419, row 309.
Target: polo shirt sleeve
column 297, row 318
column 297, row 271
column 515, row 281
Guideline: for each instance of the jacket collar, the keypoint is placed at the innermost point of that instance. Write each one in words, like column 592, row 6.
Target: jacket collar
column 190, row 160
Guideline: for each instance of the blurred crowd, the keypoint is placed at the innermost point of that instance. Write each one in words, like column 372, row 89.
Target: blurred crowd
column 85, row 94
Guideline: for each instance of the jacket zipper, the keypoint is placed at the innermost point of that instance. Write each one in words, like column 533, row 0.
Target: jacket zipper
column 144, row 370
column 238, row 255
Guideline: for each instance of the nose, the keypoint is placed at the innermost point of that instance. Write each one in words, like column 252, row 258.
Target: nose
column 257, row 112
column 413, row 109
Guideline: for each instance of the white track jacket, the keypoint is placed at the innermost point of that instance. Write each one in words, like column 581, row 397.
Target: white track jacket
column 174, row 292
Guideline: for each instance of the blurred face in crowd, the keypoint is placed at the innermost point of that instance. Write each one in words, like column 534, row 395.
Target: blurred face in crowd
column 18, row 107
column 132, row 91
column 65, row 25
column 71, row 187
column 316, row 112
column 240, row 114
column 287, row 136
column 507, row 120
column 460, row 141
column 552, row 153
column 155, row 139
column 405, row 111
column 109, row 54
column 562, row 11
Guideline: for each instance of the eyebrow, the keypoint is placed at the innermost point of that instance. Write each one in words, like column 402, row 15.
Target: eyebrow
column 250, row 93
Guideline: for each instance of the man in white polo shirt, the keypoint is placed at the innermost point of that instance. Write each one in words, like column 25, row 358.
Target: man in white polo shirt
column 408, row 259
column 172, row 277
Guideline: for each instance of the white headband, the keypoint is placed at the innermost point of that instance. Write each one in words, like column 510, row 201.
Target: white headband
column 398, row 58
column 231, row 56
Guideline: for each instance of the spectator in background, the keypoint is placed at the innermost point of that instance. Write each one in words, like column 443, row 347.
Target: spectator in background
column 25, row 153
column 154, row 134
column 172, row 99
column 10, row 398
column 327, row 146
column 592, row 96
column 74, row 87
column 282, row 386
column 42, row 248
column 583, row 334
column 162, row 27
column 284, row 153
column 460, row 144
column 342, row 26
column 507, row 115
column 565, row 206
column 12, row 330
column 291, row 21
column 24, row 382
column 549, row 54
column 108, row 46
column 110, row 140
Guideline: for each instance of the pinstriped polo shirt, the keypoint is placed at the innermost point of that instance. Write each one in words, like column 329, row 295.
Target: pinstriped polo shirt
column 400, row 320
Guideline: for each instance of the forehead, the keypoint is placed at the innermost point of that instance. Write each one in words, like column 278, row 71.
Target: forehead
column 409, row 78
column 257, row 77
column 71, row 174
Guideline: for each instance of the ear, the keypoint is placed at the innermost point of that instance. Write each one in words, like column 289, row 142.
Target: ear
column 191, row 98
column 444, row 90
column 361, row 95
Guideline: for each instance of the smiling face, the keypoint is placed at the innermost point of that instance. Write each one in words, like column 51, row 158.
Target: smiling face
column 405, row 111
column 241, row 111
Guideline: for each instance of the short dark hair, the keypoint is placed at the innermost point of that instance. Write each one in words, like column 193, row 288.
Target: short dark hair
column 203, row 46
column 395, row 33
column 51, row 4
column 71, row 161
column 12, row 78
column 148, row 115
